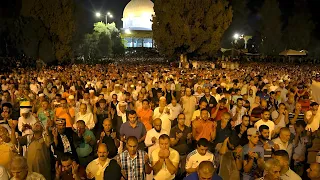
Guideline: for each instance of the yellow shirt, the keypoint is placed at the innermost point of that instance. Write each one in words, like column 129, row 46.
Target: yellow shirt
column 6, row 154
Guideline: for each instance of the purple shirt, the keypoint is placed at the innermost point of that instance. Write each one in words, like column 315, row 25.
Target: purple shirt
column 127, row 130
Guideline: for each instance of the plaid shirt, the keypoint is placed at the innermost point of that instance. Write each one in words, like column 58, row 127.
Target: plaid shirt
column 132, row 168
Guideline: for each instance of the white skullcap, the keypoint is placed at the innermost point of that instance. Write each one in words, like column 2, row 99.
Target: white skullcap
column 122, row 103
column 132, row 86
column 71, row 97
column 117, row 85
column 41, row 95
column 91, row 91
column 24, row 110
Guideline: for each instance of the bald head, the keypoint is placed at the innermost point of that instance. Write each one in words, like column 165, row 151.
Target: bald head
column 157, row 124
column 102, row 152
column 314, row 171
column 206, row 170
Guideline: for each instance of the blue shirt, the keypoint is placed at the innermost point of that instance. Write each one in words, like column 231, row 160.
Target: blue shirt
column 194, row 176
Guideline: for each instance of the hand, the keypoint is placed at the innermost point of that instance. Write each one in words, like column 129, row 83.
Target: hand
column 90, row 175
column 58, row 169
column 239, row 150
column 113, row 135
column 154, row 139
column 75, row 168
column 276, row 147
column 13, row 124
column 46, row 113
column 233, row 123
column 210, row 105
column 102, row 135
column 55, row 132
column 49, row 123
column 218, row 106
column 112, row 111
column 167, row 110
column 252, row 155
column 146, row 159
column 166, row 153
column 179, row 135
column 189, row 136
column 25, row 127
column 266, row 146
column 87, row 139
column 214, row 125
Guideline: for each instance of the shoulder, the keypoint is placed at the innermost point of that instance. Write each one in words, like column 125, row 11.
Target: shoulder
column 192, row 153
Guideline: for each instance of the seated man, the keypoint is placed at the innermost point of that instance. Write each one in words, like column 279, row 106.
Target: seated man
column 206, row 171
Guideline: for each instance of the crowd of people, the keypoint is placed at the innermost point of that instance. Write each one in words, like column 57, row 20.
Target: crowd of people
column 161, row 122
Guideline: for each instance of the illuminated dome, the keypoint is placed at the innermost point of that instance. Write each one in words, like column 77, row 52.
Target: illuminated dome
column 137, row 15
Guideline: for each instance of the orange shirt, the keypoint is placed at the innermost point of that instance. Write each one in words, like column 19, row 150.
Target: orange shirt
column 203, row 129
column 61, row 113
column 145, row 116
column 219, row 114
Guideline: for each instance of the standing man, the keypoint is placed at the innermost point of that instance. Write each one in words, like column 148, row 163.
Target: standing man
column 134, row 163
column 165, row 160
column 265, row 116
column 252, row 156
column 284, row 141
column 181, row 141
column 203, row 128
column 188, row 103
column 103, row 166
column 211, row 101
column 135, row 128
column 237, row 112
column 197, row 156
column 286, row 172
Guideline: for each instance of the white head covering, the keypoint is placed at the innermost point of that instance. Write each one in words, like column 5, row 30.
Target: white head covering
column 24, row 110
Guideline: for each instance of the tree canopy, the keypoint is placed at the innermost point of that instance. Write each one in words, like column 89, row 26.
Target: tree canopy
column 190, row 27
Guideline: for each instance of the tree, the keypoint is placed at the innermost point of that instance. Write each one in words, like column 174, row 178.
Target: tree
column 190, row 27
column 300, row 26
column 270, row 28
column 239, row 23
column 105, row 41
column 57, row 16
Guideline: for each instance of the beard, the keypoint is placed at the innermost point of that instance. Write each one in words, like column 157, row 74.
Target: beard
column 158, row 131
column 264, row 139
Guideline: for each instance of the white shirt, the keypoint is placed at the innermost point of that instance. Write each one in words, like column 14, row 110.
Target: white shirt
column 239, row 118
column 314, row 125
column 164, row 174
column 30, row 120
column 148, row 141
column 194, row 159
column 269, row 123
column 97, row 169
column 87, row 118
column 176, row 110
column 165, row 118
column 284, row 146
column 274, row 116
column 290, row 175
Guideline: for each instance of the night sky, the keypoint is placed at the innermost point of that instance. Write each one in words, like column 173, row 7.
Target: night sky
column 10, row 8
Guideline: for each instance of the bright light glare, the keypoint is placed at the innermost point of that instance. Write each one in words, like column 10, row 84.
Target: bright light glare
column 110, row 16
column 98, row 14
column 236, row 36
column 127, row 31
column 109, row 13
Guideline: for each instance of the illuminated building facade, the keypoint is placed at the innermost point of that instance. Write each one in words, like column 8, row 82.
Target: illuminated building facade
column 137, row 23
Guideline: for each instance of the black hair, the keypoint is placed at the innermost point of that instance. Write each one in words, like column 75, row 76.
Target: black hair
column 262, row 127
column 203, row 142
column 132, row 112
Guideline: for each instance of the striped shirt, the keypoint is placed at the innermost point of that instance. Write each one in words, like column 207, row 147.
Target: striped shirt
column 133, row 168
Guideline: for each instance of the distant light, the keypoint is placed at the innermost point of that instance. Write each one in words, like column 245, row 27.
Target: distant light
column 127, row 31
column 98, row 14
column 109, row 13
column 236, row 36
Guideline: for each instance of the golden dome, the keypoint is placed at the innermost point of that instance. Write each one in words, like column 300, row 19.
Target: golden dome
column 138, row 8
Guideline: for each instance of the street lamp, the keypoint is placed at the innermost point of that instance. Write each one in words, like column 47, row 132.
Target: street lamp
column 236, row 36
column 108, row 14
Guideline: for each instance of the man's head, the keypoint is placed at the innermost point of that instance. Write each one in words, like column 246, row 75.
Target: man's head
column 207, row 92
column 239, row 102
column 122, row 106
column 225, row 117
column 265, row 132
column 222, row 103
column 81, row 127
column 132, row 116
column 37, row 127
column 164, row 141
column 284, row 134
column 265, row 115
column 283, row 157
column 63, row 103
column 181, row 119
column 205, row 170
column 300, row 126
column 19, row 168
column 314, row 106
column 273, row 169
column 45, row 104
column 66, row 162
column 102, row 152
column 314, row 171
column 60, row 125
column 162, row 101
column 145, row 104
column 188, row 92
column 203, row 105
column 107, row 125
column 102, row 103
column 132, row 145
column 202, row 146
column 253, row 135
column 83, row 108
column 25, row 112
column 157, row 124
column 246, row 120
column 204, row 114
column 114, row 97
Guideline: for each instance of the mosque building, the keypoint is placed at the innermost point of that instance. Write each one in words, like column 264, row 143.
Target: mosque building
column 137, row 24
